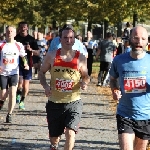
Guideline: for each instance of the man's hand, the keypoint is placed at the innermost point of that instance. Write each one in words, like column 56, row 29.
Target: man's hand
column 116, row 94
column 1, row 69
column 47, row 91
column 83, row 85
column 26, row 67
column 28, row 47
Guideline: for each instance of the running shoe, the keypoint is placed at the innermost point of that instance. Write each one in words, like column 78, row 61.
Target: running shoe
column 53, row 147
column 1, row 104
column 21, row 106
column 8, row 118
column 18, row 98
column 98, row 84
column 36, row 75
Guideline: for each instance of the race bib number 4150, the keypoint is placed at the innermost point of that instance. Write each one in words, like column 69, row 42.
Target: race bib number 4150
column 135, row 84
column 63, row 85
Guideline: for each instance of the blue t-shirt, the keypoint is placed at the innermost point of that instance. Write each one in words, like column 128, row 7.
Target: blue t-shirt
column 134, row 81
column 55, row 45
column 92, row 44
column 127, row 49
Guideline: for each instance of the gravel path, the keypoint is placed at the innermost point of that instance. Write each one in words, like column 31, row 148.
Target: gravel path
column 28, row 130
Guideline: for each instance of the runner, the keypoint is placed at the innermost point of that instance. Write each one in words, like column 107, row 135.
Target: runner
column 10, row 50
column 133, row 92
column 64, row 107
column 25, row 76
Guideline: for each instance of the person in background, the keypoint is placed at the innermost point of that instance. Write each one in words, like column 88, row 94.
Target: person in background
column 127, row 47
column 35, row 34
column 127, row 31
column 48, row 36
column 9, row 69
column 106, row 50
column 53, row 35
column 90, row 45
column 79, row 37
column 120, row 46
column 37, row 60
column 25, row 76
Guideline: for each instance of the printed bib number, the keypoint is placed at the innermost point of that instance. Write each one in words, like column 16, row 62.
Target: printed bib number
column 64, row 85
column 135, row 84
column 8, row 61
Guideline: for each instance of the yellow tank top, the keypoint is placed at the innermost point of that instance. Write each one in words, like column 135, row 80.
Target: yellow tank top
column 65, row 80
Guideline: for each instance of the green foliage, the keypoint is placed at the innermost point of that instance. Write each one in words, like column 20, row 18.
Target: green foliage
column 43, row 12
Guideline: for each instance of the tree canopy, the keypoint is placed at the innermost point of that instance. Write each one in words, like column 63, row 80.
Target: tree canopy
column 42, row 13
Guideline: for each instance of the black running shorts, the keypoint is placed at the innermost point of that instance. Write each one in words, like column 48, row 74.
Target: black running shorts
column 63, row 115
column 105, row 66
column 141, row 128
column 8, row 81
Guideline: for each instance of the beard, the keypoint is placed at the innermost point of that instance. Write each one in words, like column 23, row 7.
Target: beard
column 137, row 50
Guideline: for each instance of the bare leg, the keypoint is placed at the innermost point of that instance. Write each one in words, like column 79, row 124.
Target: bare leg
column 54, row 140
column 12, row 99
column 20, row 83
column 126, row 141
column 25, row 87
column 70, row 139
column 4, row 94
column 140, row 144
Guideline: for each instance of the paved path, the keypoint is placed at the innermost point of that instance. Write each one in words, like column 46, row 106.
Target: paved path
column 28, row 130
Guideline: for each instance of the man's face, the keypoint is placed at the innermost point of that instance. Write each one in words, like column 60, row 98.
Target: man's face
column 10, row 32
column 89, row 34
column 23, row 28
column 67, row 39
column 139, row 40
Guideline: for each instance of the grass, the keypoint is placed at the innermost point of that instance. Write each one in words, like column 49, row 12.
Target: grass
column 95, row 67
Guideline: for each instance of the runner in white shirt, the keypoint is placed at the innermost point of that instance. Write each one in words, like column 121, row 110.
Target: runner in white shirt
column 10, row 50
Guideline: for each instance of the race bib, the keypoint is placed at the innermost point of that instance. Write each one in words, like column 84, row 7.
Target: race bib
column 63, row 85
column 135, row 84
column 7, row 61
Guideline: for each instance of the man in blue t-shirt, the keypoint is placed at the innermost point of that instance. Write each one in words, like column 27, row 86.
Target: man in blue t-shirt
column 133, row 111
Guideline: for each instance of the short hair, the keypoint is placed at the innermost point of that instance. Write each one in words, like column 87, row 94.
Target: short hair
column 108, row 35
column 22, row 22
column 67, row 28
column 11, row 26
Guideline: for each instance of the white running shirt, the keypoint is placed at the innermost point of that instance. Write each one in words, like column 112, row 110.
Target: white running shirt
column 9, row 57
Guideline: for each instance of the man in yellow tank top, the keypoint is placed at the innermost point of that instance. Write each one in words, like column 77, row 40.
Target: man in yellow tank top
column 69, row 74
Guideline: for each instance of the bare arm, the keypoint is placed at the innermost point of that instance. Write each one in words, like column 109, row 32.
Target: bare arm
column 113, row 83
column 116, row 93
column 34, row 52
column 98, row 53
column 84, row 72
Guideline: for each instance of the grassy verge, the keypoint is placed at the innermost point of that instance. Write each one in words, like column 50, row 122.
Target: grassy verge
column 95, row 68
